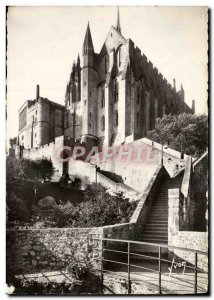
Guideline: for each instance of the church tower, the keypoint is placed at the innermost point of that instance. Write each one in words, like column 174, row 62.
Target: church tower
column 89, row 79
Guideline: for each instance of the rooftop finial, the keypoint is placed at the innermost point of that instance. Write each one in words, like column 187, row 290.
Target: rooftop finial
column 118, row 20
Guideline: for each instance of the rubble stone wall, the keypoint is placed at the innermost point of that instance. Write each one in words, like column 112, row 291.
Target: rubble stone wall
column 49, row 249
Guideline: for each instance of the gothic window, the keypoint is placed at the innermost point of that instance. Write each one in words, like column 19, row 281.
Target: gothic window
column 106, row 64
column 103, row 123
column 116, row 118
column 119, row 57
column 90, row 114
column 36, row 112
column 138, row 120
column 103, row 98
column 115, row 90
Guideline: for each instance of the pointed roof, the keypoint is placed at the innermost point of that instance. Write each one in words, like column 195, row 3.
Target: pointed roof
column 88, row 44
column 118, row 21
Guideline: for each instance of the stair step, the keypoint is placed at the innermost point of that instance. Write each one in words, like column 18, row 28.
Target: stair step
column 154, row 227
column 154, row 236
column 165, row 232
column 158, row 241
column 156, row 222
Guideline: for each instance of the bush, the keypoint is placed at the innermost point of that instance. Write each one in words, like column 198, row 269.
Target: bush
column 17, row 209
column 98, row 209
column 40, row 169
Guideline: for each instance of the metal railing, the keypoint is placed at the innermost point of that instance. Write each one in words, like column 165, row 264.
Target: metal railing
column 162, row 254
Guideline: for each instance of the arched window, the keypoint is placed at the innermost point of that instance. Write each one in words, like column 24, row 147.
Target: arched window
column 106, row 64
column 115, row 90
column 103, row 98
column 119, row 57
column 116, row 118
column 103, row 123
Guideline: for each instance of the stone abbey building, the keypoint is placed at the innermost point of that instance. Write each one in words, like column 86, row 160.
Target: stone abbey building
column 112, row 97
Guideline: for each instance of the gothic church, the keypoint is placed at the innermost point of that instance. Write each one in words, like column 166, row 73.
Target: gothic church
column 112, row 97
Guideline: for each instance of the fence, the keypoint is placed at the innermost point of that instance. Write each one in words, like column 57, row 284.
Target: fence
column 168, row 273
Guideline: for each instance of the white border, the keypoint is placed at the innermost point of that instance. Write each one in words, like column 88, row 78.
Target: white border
column 3, row 4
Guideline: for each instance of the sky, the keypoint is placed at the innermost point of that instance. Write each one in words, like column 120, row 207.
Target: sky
column 44, row 41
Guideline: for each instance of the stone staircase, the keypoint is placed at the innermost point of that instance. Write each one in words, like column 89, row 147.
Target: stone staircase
column 155, row 230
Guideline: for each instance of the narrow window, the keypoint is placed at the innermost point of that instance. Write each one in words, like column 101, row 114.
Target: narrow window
column 119, row 57
column 106, row 64
column 116, row 118
column 36, row 112
column 103, row 98
column 103, row 123
column 116, row 88
column 84, row 83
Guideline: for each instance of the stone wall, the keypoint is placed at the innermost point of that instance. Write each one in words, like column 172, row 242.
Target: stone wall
column 50, row 151
column 185, row 239
column 40, row 250
column 114, row 284
column 87, row 173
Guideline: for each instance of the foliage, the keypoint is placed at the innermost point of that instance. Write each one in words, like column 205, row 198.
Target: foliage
column 14, row 169
column 17, row 209
column 38, row 169
column 29, row 169
column 186, row 133
column 99, row 209
column 80, row 265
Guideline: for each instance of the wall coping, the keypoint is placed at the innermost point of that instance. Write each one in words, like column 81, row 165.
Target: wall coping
column 57, row 228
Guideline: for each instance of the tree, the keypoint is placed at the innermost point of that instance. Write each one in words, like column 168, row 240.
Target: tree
column 14, row 169
column 29, row 169
column 186, row 133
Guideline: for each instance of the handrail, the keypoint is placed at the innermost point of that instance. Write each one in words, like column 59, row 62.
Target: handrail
column 152, row 244
column 160, row 272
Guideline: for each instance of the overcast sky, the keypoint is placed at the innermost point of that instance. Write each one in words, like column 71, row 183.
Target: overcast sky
column 44, row 41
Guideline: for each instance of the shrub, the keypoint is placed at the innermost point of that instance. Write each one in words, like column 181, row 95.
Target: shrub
column 17, row 209
column 99, row 208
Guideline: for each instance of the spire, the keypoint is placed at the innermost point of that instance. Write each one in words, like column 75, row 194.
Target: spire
column 118, row 20
column 78, row 59
column 88, row 47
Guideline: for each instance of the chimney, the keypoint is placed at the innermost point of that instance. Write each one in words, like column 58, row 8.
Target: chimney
column 193, row 106
column 174, row 84
column 37, row 92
